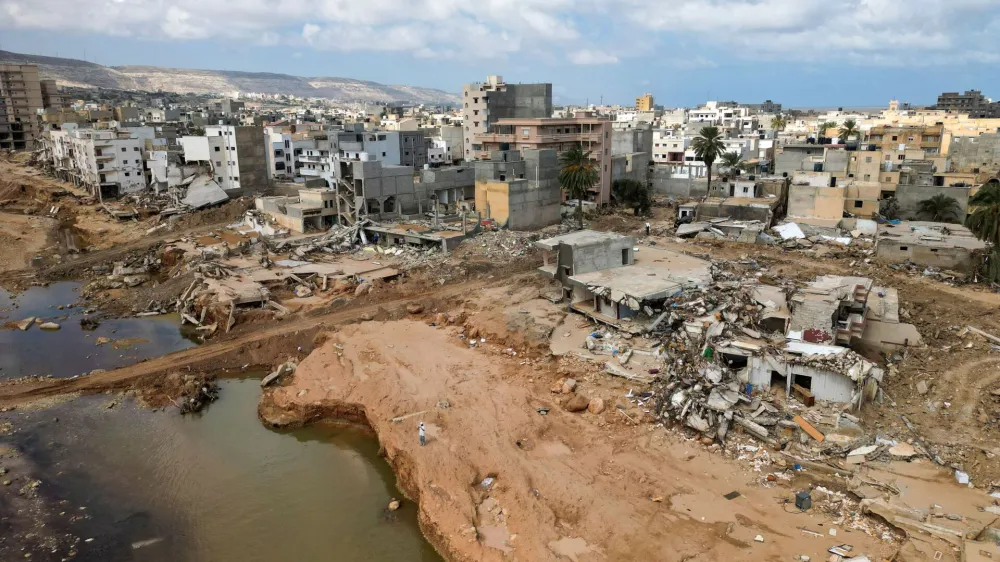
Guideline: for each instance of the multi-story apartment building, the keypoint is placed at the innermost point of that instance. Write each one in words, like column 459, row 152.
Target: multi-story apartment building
column 20, row 102
column 485, row 103
column 107, row 161
column 972, row 102
column 644, row 102
column 927, row 138
column 561, row 134
column 237, row 155
column 51, row 96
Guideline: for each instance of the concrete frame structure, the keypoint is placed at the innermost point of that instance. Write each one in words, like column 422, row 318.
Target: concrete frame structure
column 237, row 154
column 20, row 101
column 484, row 103
column 561, row 135
column 927, row 138
column 942, row 245
column 519, row 189
column 108, row 162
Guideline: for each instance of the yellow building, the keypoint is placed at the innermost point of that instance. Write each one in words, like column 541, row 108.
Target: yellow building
column 927, row 138
column 20, row 102
column 644, row 102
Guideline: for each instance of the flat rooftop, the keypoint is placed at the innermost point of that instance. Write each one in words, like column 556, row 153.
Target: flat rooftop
column 635, row 281
column 581, row 238
column 930, row 234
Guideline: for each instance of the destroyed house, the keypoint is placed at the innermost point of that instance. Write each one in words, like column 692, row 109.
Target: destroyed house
column 604, row 277
column 831, row 309
column 943, row 245
column 819, row 372
column 312, row 210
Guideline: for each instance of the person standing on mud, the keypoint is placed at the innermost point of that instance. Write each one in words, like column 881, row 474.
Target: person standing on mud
column 422, row 432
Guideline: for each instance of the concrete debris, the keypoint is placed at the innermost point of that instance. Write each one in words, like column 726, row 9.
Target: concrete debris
column 52, row 326
column 282, row 370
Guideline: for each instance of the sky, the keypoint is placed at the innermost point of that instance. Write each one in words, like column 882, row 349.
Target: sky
column 801, row 53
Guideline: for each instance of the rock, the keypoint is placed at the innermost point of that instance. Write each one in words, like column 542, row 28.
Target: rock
column 49, row 326
column 707, row 440
column 393, row 505
column 472, row 332
column 902, row 451
column 759, row 538
column 557, row 386
column 577, row 403
column 302, row 291
column 922, row 387
column 362, row 289
column 440, row 319
column 23, row 325
column 414, row 308
column 596, row 406
column 283, row 369
column 569, row 386
column 101, row 340
column 366, row 316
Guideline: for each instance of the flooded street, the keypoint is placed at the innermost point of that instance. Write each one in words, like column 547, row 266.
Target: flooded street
column 215, row 486
column 71, row 350
column 138, row 484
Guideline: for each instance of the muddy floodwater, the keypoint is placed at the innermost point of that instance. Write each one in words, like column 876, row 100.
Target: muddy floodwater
column 71, row 350
column 215, row 486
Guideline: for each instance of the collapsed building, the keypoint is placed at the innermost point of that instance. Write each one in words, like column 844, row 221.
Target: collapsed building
column 722, row 340
column 942, row 245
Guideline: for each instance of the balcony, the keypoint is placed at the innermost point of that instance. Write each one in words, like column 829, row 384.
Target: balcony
column 540, row 139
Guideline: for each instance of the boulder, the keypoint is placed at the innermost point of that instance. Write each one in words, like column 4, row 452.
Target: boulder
column 440, row 319
column 596, row 406
column 568, row 386
column 49, row 326
column 362, row 289
column 414, row 308
column 393, row 505
column 577, row 403
column 302, row 291
column 557, row 386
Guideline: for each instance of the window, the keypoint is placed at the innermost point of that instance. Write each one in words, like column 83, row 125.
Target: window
column 902, row 156
column 279, row 165
column 381, row 137
column 138, row 162
column 216, row 149
column 124, row 149
column 236, row 178
column 218, row 179
column 467, row 103
column 286, row 144
column 126, row 174
column 859, row 204
column 868, row 159
column 475, row 100
column 624, row 256
column 904, row 248
column 895, row 138
column 100, row 166
column 383, row 155
column 525, row 132
column 868, row 177
column 407, row 153
column 277, row 153
column 218, row 163
column 475, row 112
column 288, row 158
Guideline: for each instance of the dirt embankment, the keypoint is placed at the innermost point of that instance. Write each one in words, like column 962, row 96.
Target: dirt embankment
column 577, row 486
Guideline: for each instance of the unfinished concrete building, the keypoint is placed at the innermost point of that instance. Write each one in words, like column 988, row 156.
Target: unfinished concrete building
column 604, row 278
column 518, row 191
column 20, row 102
column 975, row 154
column 792, row 159
column 932, row 244
column 311, row 211
column 486, row 102
column 810, row 196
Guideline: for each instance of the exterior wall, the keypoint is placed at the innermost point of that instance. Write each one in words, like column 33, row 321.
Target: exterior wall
column 861, row 198
column 865, row 165
column 825, row 385
column 413, row 149
column 983, row 152
column 665, row 180
column 809, row 201
column 644, row 102
column 896, row 251
column 631, row 166
column 20, row 102
column 596, row 256
column 928, row 138
column 485, row 103
column 910, row 196
column 251, row 158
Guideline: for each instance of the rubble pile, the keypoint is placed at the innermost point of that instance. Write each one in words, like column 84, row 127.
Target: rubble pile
column 500, row 244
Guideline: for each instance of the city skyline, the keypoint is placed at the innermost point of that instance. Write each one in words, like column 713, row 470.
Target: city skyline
column 802, row 53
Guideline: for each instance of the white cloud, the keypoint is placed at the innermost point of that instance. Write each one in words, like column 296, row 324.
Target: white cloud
column 905, row 32
column 590, row 56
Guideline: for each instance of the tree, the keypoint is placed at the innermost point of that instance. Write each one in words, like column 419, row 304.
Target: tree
column 940, row 208
column 632, row 193
column 779, row 122
column 823, row 127
column 889, row 208
column 731, row 161
column 708, row 147
column 848, row 130
column 984, row 222
column 579, row 173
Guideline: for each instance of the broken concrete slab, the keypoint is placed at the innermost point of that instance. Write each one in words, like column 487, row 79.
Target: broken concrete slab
column 28, row 322
column 204, row 192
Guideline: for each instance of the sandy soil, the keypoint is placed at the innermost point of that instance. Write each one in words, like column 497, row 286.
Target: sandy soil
column 567, row 486
column 22, row 237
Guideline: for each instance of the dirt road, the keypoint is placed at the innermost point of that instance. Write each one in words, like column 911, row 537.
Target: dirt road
column 251, row 348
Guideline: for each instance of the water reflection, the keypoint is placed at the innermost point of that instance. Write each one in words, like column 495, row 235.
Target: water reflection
column 219, row 486
column 71, row 350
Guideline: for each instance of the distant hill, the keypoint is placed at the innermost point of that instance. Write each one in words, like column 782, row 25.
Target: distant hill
column 82, row 74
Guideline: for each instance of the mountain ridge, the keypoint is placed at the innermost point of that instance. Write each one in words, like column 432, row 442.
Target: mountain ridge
column 78, row 73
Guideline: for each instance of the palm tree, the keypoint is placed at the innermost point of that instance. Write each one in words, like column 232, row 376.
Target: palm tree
column 579, row 173
column 708, row 147
column 731, row 161
column 848, row 130
column 984, row 222
column 940, row 208
column 779, row 122
column 822, row 128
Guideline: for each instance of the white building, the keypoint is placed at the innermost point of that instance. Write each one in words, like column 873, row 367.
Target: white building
column 108, row 161
column 233, row 152
column 314, row 162
column 438, row 152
